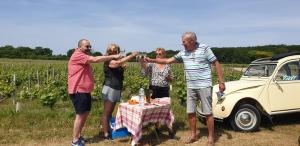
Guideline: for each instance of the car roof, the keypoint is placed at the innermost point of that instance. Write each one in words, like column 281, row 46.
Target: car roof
column 264, row 61
column 278, row 58
column 283, row 55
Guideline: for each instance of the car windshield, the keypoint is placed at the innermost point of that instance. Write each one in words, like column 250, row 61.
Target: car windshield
column 260, row 70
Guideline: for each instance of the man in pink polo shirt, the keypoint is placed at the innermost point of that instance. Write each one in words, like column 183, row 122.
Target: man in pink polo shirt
column 81, row 84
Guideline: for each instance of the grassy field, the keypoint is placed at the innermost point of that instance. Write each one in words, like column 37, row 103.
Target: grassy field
column 36, row 125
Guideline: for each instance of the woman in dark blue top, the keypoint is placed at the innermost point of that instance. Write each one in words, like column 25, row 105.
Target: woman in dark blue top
column 113, row 84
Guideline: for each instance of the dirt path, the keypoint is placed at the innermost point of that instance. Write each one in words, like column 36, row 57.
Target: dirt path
column 283, row 134
column 239, row 69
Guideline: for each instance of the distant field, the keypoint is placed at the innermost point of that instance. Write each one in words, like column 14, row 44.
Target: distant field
column 46, row 115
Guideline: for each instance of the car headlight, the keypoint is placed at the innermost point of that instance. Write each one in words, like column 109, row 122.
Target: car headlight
column 220, row 97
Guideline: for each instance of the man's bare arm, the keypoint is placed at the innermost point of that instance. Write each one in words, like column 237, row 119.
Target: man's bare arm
column 98, row 59
column 162, row 60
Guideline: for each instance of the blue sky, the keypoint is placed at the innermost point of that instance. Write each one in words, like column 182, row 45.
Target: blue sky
column 145, row 25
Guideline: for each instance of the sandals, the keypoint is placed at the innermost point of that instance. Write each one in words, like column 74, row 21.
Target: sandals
column 172, row 135
column 107, row 136
column 190, row 140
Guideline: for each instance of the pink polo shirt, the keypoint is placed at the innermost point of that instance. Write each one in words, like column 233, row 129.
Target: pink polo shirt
column 80, row 75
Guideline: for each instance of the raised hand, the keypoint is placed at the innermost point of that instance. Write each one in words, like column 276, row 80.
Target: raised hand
column 141, row 58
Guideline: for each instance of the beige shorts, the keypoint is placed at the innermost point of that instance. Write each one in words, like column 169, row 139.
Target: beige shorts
column 203, row 95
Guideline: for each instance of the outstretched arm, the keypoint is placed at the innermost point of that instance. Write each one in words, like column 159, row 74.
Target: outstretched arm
column 120, row 62
column 99, row 59
column 162, row 60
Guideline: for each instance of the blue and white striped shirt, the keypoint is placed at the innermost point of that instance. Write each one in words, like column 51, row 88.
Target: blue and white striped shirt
column 197, row 66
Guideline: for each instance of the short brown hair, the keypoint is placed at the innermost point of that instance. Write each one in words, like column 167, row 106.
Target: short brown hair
column 81, row 41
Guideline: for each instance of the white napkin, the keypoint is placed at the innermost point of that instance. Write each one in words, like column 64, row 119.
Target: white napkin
column 136, row 98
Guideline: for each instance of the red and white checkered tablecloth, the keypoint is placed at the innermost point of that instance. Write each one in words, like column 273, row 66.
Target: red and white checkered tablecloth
column 134, row 117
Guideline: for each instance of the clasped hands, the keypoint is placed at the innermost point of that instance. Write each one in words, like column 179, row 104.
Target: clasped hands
column 143, row 59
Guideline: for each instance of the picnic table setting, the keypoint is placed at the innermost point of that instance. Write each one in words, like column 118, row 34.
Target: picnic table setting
column 135, row 113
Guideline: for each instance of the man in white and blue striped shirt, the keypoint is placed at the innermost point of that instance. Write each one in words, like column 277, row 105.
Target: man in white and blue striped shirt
column 197, row 59
column 197, row 66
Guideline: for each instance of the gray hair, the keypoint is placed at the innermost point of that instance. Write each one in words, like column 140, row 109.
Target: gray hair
column 190, row 35
column 80, row 42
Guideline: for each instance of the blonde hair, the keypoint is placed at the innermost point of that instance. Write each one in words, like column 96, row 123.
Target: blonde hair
column 113, row 49
column 163, row 51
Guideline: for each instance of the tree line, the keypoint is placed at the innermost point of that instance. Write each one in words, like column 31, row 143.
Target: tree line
column 9, row 51
column 29, row 53
column 243, row 55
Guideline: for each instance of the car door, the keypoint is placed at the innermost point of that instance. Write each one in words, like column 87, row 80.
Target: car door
column 284, row 89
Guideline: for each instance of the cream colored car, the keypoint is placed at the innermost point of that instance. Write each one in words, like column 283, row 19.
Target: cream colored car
column 269, row 86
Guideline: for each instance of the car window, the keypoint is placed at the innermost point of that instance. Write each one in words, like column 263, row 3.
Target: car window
column 289, row 71
column 260, row 70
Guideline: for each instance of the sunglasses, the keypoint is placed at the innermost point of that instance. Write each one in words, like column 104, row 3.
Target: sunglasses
column 158, row 53
column 88, row 46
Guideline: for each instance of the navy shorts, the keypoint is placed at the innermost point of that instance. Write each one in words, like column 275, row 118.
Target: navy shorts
column 82, row 102
column 159, row 92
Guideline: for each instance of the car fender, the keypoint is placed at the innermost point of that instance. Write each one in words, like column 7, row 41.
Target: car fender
column 223, row 109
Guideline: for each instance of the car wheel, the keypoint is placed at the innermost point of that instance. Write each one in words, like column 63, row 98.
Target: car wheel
column 245, row 118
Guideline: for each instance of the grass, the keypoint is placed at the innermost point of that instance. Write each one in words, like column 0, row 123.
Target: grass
column 34, row 122
column 38, row 125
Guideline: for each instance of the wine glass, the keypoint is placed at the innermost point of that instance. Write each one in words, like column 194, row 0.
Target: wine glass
column 141, row 56
column 122, row 53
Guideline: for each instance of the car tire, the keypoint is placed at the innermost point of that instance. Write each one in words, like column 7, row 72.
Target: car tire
column 245, row 118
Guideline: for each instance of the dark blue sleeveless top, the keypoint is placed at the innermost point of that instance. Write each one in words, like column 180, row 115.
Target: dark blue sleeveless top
column 113, row 76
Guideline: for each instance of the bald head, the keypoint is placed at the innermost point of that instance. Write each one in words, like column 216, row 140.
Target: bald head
column 84, row 45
